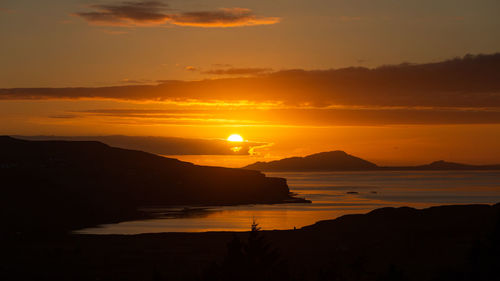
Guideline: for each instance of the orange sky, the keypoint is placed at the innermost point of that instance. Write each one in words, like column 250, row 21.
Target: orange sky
column 384, row 144
column 292, row 77
column 57, row 43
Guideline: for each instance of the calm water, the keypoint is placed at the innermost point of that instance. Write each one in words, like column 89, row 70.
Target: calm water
column 332, row 194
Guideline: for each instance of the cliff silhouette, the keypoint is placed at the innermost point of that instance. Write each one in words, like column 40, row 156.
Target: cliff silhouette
column 341, row 161
column 68, row 184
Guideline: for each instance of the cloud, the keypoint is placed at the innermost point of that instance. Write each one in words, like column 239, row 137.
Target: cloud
column 136, row 81
column 6, row 10
column 228, row 70
column 237, row 71
column 471, row 81
column 295, row 116
column 164, row 117
column 64, row 116
column 152, row 13
column 349, row 18
column 222, row 65
column 191, row 68
column 164, row 145
column 379, row 116
column 224, row 17
column 147, row 113
column 127, row 13
column 115, row 32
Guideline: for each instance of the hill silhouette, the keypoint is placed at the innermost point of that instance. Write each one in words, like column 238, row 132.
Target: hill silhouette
column 341, row 161
column 324, row 161
column 444, row 165
column 68, row 184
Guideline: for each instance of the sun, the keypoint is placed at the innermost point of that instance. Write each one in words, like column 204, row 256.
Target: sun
column 235, row 138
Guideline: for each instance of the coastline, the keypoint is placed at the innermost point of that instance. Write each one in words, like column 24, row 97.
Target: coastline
column 383, row 238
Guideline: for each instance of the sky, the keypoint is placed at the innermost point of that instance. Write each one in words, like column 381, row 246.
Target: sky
column 394, row 82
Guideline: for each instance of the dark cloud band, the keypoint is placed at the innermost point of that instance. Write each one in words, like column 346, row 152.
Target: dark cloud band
column 471, row 81
column 164, row 145
column 306, row 117
column 157, row 13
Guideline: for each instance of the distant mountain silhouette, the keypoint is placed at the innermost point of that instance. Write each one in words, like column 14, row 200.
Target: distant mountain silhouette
column 444, row 165
column 68, row 184
column 324, row 161
column 341, row 161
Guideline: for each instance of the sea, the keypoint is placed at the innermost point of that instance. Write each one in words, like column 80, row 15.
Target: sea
column 333, row 194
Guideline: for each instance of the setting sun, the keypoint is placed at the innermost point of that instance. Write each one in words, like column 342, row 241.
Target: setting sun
column 235, row 138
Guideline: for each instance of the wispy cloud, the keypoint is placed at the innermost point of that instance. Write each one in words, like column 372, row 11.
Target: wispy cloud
column 229, row 70
column 296, row 116
column 191, row 68
column 222, row 65
column 115, row 32
column 136, row 81
column 64, row 116
column 237, row 71
column 153, row 13
column 6, row 10
column 349, row 18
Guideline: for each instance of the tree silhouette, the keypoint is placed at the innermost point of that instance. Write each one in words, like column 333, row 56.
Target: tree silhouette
column 253, row 259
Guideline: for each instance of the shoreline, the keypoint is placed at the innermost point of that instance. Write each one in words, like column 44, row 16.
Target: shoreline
column 440, row 237
column 178, row 214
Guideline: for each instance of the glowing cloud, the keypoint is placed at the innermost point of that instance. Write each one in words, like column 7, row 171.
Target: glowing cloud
column 224, row 17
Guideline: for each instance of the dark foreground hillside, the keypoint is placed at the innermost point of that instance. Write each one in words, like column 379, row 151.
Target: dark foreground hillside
column 439, row 243
column 63, row 185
